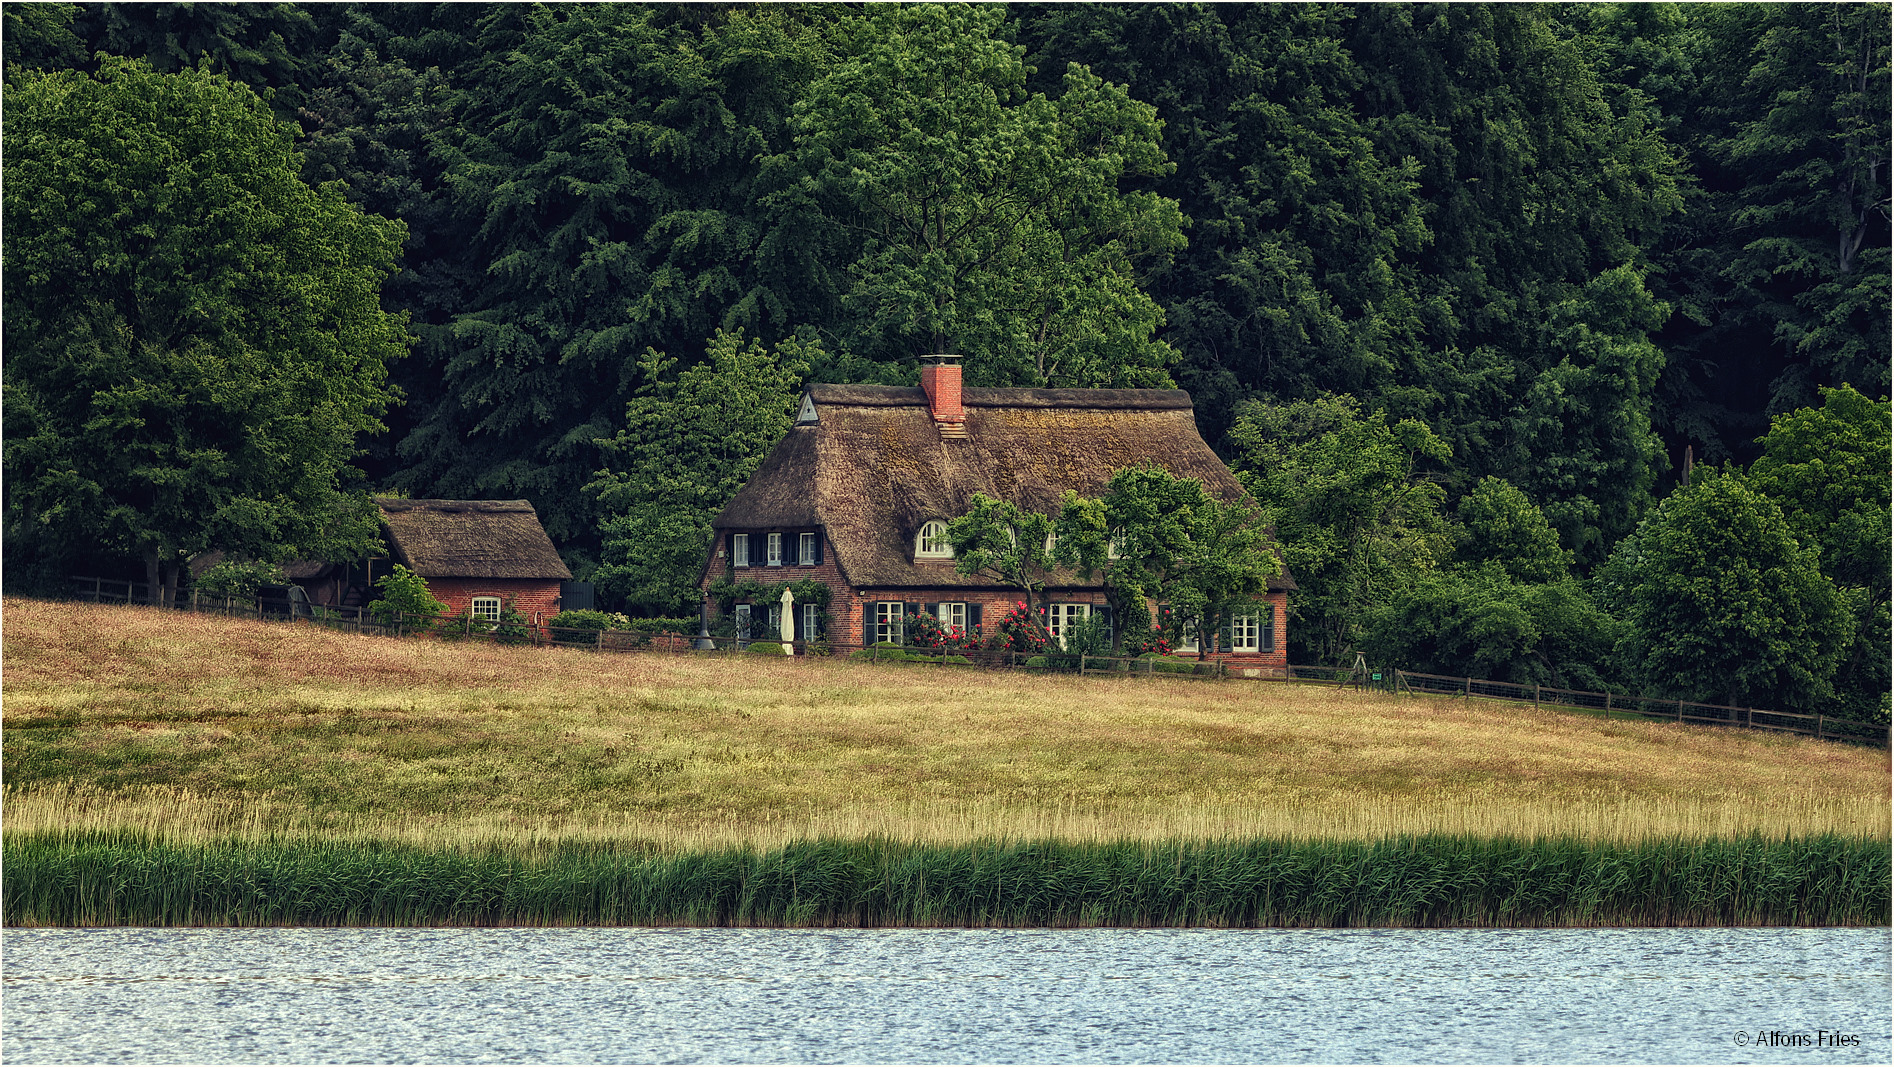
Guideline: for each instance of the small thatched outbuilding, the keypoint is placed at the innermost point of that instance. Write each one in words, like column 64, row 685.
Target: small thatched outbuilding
column 477, row 555
column 858, row 492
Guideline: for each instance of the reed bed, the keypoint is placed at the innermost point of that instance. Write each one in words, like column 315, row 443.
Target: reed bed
column 102, row 879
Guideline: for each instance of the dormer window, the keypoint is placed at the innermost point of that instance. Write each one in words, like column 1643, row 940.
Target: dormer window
column 931, row 542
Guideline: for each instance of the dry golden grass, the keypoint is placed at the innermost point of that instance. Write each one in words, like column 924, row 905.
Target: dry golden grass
column 197, row 726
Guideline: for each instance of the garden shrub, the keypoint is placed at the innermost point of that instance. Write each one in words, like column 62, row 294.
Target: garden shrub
column 589, row 620
column 405, row 599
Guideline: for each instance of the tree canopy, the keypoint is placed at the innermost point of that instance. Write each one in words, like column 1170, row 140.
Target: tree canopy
column 1722, row 604
column 970, row 216
column 194, row 336
column 1542, row 247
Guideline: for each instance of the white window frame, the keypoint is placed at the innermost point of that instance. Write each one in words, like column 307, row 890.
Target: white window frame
column 891, row 622
column 740, row 550
column 931, row 542
column 774, row 551
column 1244, row 627
column 743, row 621
column 811, row 622
column 1186, row 639
column 484, row 608
column 806, row 550
column 775, row 630
column 952, row 615
column 1060, row 616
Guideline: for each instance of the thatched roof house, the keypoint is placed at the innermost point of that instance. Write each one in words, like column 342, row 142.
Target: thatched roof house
column 477, row 555
column 867, row 469
column 470, row 539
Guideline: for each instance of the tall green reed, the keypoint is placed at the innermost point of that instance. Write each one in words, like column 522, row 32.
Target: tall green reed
column 103, row 878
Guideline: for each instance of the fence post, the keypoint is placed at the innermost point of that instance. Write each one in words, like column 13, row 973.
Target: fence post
column 1818, row 726
column 1468, row 694
column 98, row 590
column 1680, row 710
column 1607, row 705
column 1535, row 696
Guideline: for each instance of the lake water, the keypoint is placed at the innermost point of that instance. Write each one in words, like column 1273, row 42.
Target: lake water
column 945, row 996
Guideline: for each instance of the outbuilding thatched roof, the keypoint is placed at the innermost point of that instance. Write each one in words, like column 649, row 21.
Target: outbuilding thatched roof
column 470, row 539
column 872, row 467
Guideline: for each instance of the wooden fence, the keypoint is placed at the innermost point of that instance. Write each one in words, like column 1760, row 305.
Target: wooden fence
column 1613, row 705
column 1642, row 708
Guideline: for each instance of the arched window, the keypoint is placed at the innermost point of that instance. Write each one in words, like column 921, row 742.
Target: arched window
column 931, row 542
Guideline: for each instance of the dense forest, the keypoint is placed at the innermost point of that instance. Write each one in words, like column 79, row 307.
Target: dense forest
column 1456, row 288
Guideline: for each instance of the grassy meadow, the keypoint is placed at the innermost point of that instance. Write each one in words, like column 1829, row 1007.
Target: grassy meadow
column 197, row 726
column 132, row 735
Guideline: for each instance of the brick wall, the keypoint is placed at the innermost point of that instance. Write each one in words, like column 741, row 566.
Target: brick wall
column 537, row 599
column 849, row 607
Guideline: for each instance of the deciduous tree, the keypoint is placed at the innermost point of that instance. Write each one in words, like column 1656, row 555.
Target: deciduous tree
column 194, row 337
column 1722, row 603
column 1356, row 511
column 692, row 438
column 974, row 217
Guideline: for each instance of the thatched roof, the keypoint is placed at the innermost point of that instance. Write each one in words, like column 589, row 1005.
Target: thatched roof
column 470, row 539
column 872, row 467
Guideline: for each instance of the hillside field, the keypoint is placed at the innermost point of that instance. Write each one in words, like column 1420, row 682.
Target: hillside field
column 200, row 727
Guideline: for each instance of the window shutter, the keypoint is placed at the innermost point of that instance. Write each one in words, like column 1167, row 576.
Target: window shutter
column 868, row 623
column 1225, row 642
column 818, row 548
column 1103, row 611
column 1266, row 640
column 973, row 615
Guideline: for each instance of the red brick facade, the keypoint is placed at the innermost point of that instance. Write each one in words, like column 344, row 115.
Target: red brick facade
column 536, row 599
column 850, row 610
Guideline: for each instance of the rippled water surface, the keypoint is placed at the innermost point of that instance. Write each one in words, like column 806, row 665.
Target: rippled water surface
column 824, row 996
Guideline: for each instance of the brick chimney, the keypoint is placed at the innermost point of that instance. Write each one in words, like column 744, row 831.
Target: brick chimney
column 940, row 378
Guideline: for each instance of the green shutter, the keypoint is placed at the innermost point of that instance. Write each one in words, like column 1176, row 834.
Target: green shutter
column 868, row 623
column 973, row 615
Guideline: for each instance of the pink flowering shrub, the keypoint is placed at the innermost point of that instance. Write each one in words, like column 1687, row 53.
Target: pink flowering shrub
column 1019, row 632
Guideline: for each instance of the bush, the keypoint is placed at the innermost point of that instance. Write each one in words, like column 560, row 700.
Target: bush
column 925, row 631
column 686, row 625
column 235, row 578
column 404, row 595
column 589, row 620
column 764, row 648
column 1019, row 632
